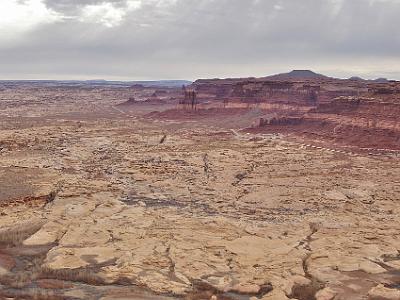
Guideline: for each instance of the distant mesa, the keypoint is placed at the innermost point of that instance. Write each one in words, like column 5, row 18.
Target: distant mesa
column 162, row 83
column 378, row 80
column 96, row 81
column 381, row 80
column 137, row 86
column 297, row 74
column 142, row 83
column 356, row 78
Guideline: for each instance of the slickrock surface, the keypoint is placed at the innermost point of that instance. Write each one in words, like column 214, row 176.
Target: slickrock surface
column 120, row 207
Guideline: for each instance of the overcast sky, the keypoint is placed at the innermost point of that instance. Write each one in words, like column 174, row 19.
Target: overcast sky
column 189, row 39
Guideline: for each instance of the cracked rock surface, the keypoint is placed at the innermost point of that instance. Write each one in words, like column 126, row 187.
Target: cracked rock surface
column 102, row 209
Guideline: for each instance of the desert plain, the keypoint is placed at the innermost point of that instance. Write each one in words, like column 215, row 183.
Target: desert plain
column 125, row 192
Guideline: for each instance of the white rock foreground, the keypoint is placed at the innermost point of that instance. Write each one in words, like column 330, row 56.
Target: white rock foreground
column 267, row 219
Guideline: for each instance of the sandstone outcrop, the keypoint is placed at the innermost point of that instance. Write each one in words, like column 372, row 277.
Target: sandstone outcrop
column 380, row 292
column 367, row 123
column 306, row 92
column 211, row 212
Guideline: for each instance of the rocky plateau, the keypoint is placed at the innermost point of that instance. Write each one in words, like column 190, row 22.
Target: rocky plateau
column 269, row 188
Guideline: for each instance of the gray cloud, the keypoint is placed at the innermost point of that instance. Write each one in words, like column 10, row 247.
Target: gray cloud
column 73, row 6
column 209, row 38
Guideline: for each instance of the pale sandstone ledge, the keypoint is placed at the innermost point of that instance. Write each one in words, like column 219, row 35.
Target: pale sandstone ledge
column 248, row 217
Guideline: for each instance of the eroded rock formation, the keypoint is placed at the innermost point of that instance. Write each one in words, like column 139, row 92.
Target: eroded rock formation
column 147, row 208
column 305, row 92
column 357, row 113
